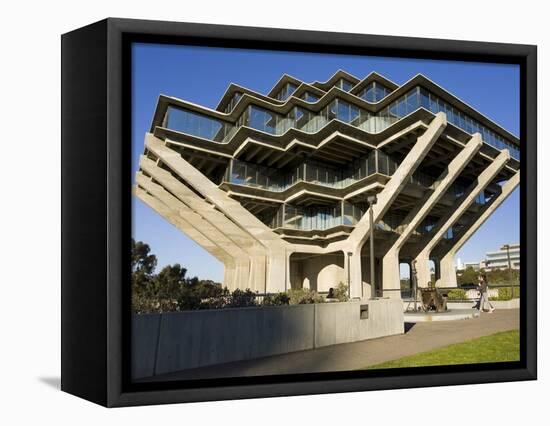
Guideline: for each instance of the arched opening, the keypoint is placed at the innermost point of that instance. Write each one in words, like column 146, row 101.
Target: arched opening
column 432, row 266
column 317, row 272
column 405, row 277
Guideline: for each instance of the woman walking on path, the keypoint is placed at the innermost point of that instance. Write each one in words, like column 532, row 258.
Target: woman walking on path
column 484, row 296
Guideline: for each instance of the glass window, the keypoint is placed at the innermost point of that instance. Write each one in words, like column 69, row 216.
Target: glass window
column 380, row 92
column 310, row 97
column 354, row 115
column 343, row 111
column 368, row 93
column 424, row 99
column 287, row 90
column 238, row 174
column 203, row 126
column 344, row 85
column 306, row 120
column 374, row 92
column 401, row 107
column 261, row 119
column 383, row 163
column 234, row 99
column 195, row 124
column 412, row 100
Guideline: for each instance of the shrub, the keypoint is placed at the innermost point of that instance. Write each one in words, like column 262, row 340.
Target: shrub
column 142, row 305
column 216, row 299
column 189, row 299
column 200, row 297
column 456, row 294
column 341, row 292
column 506, row 293
column 304, row 296
column 276, row 299
column 243, row 299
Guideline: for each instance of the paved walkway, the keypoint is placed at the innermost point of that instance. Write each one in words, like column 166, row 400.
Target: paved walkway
column 420, row 337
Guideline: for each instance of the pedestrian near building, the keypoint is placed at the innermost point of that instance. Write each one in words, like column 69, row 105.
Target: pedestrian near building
column 484, row 296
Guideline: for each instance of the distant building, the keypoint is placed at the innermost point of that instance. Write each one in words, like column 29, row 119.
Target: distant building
column 499, row 259
column 494, row 260
column 475, row 265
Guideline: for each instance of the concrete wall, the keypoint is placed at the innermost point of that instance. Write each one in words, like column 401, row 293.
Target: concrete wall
column 340, row 322
column 164, row 343
column 145, row 334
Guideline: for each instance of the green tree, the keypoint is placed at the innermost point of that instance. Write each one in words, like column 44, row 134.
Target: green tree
column 304, row 296
column 468, row 276
column 143, row 265
column 276, row 299
column 142, row 259
column 202, row 294
column 242, row 298
column 168, row 285
column 171, row 289
column 341, row 292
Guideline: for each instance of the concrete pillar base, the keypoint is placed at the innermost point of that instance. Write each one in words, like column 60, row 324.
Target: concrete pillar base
column 447, row 272
column 423, row 274
column 276, row 272
column 356, row 290
column 390, row 272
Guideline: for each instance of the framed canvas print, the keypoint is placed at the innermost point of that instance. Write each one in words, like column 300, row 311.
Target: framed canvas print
column 253, row 212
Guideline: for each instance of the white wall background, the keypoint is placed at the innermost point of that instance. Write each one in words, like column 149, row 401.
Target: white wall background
column 30, row 225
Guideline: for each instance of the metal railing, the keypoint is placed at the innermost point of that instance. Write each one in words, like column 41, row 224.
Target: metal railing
column 514, row 293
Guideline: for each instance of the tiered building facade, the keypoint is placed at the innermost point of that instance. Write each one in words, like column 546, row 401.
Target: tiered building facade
column 277, row 186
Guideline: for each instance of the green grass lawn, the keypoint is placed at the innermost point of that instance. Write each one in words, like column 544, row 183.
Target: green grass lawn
column 499, row 347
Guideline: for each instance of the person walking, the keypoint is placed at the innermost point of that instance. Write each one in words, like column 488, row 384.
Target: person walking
column 484, row 296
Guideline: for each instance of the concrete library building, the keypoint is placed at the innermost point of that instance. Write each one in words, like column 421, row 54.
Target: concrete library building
column 316, row 184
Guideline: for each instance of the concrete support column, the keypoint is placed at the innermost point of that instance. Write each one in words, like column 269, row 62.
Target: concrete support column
column 390, row 262
column 172, row 216
column 352, row 269
column 219, row 224
column 391, row 274
column 455, row 212
column 449, row 251
column 360, row 234
column 423, row 273
column 395, row 185
column 242, row 273
column 229, row 274
column 274, row 246
column 276, row 271
column 257, row 276
column 240, row 256
column 447, row 272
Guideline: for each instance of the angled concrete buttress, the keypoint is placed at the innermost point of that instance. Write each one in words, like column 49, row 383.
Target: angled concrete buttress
column 276, row 247
column 447, row 270
column 241, row 259
column 181, row 224
column 251, row 248
column 390, row 261
column 392, row 189
column 455, row 212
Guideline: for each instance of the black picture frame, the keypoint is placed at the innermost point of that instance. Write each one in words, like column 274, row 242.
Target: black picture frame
column 96, row 225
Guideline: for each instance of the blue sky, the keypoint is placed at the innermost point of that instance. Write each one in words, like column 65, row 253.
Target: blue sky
column 201, row 75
